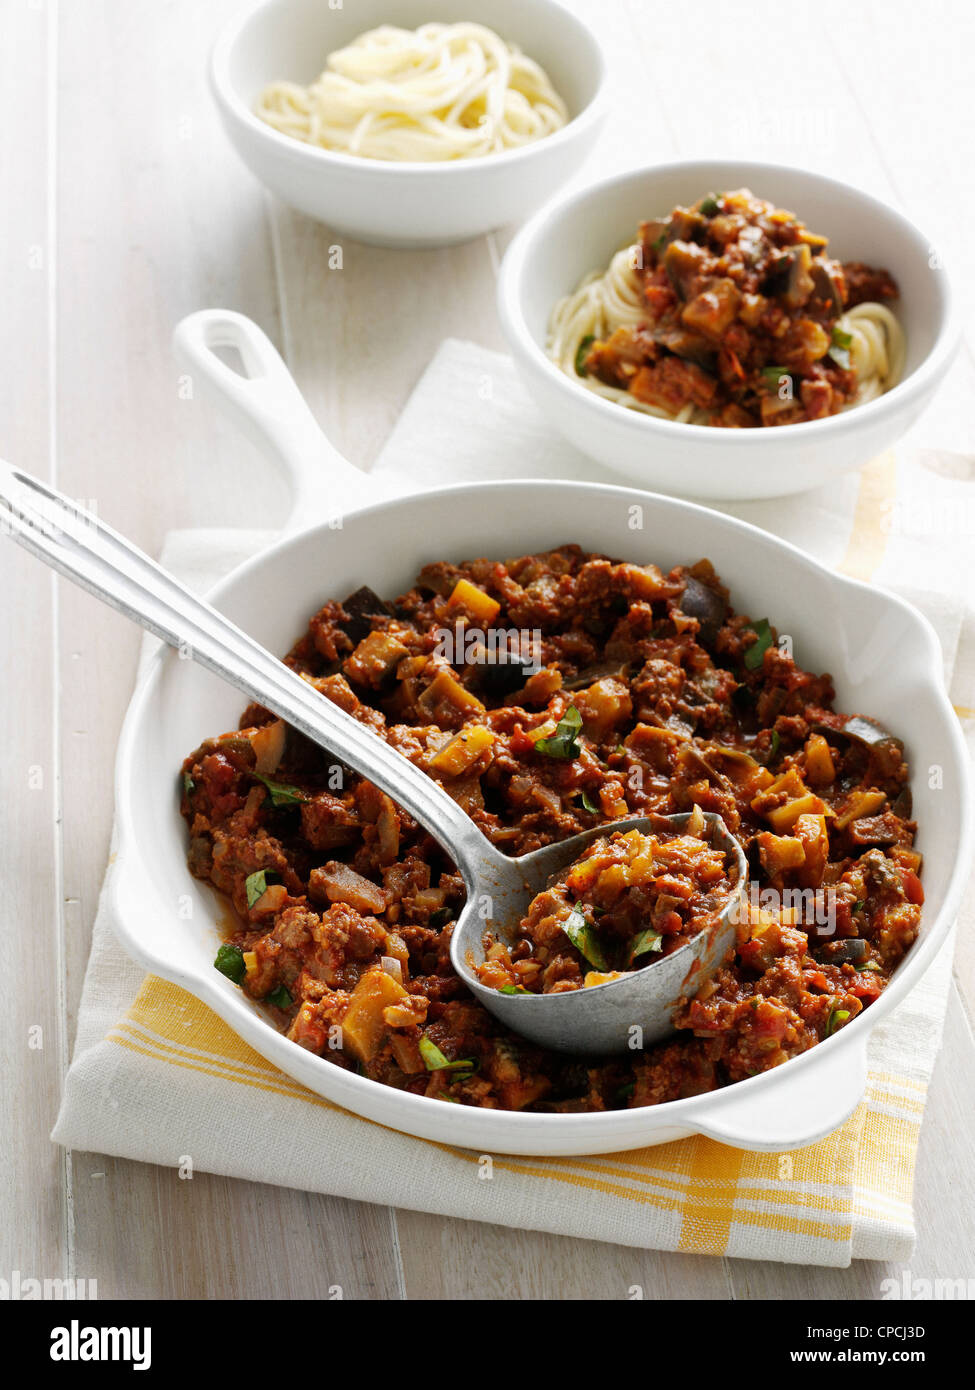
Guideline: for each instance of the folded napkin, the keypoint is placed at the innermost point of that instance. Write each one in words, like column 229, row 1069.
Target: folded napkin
column 157, row 1076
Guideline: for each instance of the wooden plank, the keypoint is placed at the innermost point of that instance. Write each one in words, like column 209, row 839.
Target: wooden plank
column 145, row 1233
column 34, row 1209
column 158, row 219
column 360, row 333
column 461, row 1260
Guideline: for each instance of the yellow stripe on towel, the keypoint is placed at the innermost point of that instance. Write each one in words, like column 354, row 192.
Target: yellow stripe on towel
column 710, row 1190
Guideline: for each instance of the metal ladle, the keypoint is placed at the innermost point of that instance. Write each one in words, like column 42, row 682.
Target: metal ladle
column 499, row 888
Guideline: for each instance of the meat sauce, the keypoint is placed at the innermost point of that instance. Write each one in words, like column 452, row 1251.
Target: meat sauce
column 632, row 898
column 573, row 690
column 743, row 309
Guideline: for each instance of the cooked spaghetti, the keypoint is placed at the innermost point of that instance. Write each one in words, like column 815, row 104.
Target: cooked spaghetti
column 440, row 92
column 730, row 313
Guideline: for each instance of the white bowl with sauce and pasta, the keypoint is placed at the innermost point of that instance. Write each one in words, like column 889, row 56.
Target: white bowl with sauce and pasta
column 405, row 141
column 569, row 274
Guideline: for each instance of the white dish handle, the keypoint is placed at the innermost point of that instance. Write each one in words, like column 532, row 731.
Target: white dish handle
column 801, row 1111
column 272, row 412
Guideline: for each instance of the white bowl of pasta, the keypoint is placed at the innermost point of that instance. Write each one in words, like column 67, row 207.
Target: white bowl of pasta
column 410, row 122
column 666, row 350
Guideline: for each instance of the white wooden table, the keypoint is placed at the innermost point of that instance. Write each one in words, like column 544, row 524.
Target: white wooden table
column 122, row 209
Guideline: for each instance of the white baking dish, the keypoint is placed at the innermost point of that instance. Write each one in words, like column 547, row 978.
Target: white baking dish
column 884, row 657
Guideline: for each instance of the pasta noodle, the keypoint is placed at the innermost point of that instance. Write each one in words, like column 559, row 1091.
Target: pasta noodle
column 440, row 92
column 611, row 299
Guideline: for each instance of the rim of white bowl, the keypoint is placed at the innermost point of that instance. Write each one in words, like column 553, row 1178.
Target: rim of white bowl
column 299, row 152
column 522, row 340
column 904, row 978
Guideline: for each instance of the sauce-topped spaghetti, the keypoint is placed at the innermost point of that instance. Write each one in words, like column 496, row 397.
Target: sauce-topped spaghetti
column 731, row 313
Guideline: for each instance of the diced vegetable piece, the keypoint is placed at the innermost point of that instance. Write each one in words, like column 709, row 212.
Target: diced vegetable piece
column 862, row 803
column 605, row 704
column 582, row 352
column 255, row 884
column 474, row 601
column 250, row 962
column 268, row 745
column 339, row 883
column 375, row 658
column 585, row 939
column 645, row 942
column 784, row 800
column 782, row 818
column 282, row 795
column 755, row 654
column 563, row 743
column 435, row 1060
column 462, row 751
column 820, row 768
column 363, row 1027
column 812, row 834
column 780, row 853
column 230, row 962
column 837, row 1017
column 271, row 900
column 853, row 950
column 445, row 687
column 600, row 977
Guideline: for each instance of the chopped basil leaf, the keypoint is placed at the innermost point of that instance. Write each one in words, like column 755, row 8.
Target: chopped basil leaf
column 282, row 795
column 648, row 940
column 773, row 376
column 582, row 352
column 280, row 998
column 626, row 1090
column 859, row 905
column 584, row 938
column 563, row 743
column 441, row 917
column 434, row 1059
column 230, row 962
column 774, row 745
column 189, row 786
column 588, row 805
column 513, row 989
column 256, row 883
column 836, row 1017
column 756, row 652
column 708, row 206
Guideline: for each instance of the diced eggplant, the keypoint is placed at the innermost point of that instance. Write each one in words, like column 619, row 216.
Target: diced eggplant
column 868, row 731
column 850, row 951
column 705, row 604
column 825, row 286
column 618, row 669
column 501, row 678
column 360, row 606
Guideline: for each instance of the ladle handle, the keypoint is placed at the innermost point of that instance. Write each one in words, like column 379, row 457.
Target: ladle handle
column 81, row 547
